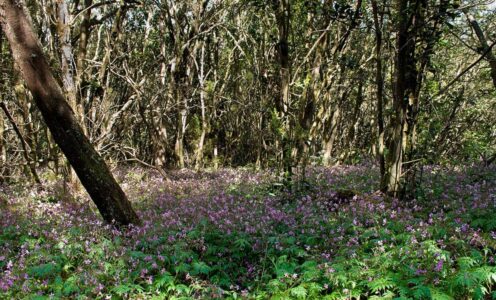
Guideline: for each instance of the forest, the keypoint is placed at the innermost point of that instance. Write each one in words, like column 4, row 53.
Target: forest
column 248, row 149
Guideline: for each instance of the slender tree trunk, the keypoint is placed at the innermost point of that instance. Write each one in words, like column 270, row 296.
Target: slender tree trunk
column 351, row 139
column 69, row 79
column 216, row 156
column 25, row 151
column 283, row 17
column 332, row 120
column 59, row 117
column 330, row 137
column 26, row 133
column 3, row 150
column 66, row 56
column 201, row 141
column 331, row 130
column 84, row 36
column 483, row 44
column 180, row 128
column 3, row 159
column 379, row 78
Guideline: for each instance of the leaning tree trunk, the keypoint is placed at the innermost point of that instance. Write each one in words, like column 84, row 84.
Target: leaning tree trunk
column 59, row 117
column 483, row 44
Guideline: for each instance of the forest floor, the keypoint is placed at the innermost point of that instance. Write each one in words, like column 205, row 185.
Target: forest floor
column 240, row 234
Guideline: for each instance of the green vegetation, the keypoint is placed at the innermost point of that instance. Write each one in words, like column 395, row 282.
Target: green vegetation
column 236, row 235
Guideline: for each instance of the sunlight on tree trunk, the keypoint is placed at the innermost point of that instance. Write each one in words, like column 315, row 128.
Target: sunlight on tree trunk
column 59, row 117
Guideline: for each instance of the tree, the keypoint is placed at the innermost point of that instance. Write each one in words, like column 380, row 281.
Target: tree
column 405, row 84
column 417, row 33
column 282, row 10
column 484, row 45
column 379, row 78
column 60, row 119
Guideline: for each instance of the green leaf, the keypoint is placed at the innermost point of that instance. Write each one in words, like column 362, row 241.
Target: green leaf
column 422, row 292
column 70, row 286
column 381, row 284
column 183, row 268
column 38, row 297
column 122, row 289
column 137, row 254
column 165, row 279
column 479, row 292
column 200, row 268
column 45, row 270
column 182, row 289
column 241, row 243
column 439, row 295
column 299, row 292
column 465, row 279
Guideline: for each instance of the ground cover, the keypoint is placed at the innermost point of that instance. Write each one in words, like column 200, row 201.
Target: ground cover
column 240, row 234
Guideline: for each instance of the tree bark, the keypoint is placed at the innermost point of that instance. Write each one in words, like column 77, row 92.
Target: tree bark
column 84, row 36
column 404, row 96
column 483, row 44
column 283, row 17
column 379, row 78
column 60, row 119
column 201, row 141
column 3, row 151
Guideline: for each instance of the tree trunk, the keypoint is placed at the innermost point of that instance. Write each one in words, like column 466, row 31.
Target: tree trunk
column 404, row 97
column 25, row 152
column 201, row 141
column 331, row 131
column 3, row 150
column 26, row 132
column 379, row 78
column 84, row 36
column 484, row 45
column 59, row 117
column 68, row 75
column 283, row 17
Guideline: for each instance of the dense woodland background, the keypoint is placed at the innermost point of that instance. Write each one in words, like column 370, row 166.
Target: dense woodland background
column 174, row 84
column 247, row 149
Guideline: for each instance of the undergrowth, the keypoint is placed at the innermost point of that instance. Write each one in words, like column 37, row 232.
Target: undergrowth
column 235, row 234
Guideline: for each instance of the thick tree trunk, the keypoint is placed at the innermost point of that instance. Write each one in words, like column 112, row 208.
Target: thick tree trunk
column 312, row 94
column 404, row 97
column 59, row 117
